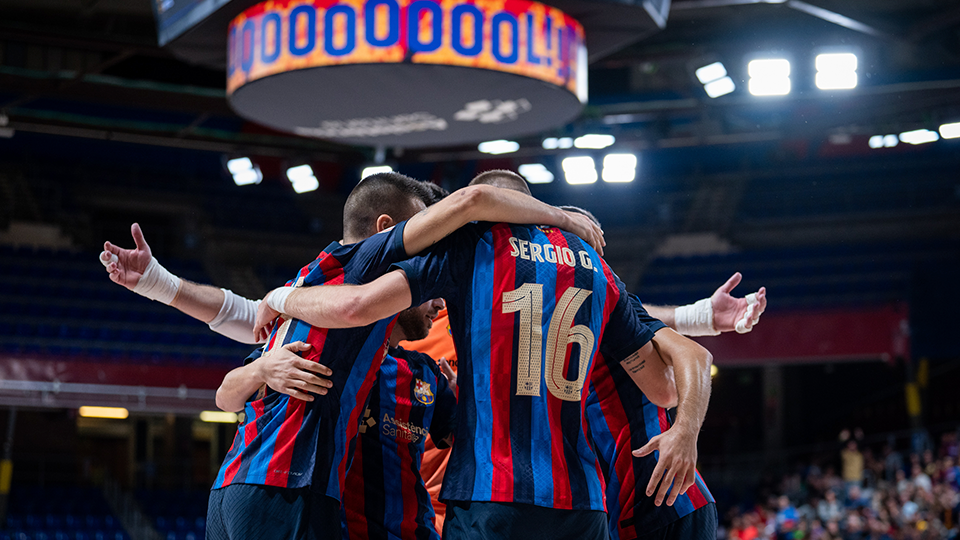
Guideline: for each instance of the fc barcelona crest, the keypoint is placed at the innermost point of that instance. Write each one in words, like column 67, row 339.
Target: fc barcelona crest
column 423, row 393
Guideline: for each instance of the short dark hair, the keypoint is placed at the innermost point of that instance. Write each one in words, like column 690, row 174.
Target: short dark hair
column 502, row 178
column 435, row 193
column 387, row 193
column 583, row 211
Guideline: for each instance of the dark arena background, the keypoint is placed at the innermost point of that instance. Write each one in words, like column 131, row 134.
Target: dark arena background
column 833, row 181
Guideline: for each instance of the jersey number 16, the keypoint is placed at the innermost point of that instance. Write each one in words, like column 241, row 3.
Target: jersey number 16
column 528, row 300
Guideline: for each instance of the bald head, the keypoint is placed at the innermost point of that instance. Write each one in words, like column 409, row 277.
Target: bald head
column 502, row 179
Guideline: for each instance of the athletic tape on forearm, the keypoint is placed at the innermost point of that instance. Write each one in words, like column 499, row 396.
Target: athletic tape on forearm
column 278, row 298
column 695, row 319
column 236, row 318
column 157, row 283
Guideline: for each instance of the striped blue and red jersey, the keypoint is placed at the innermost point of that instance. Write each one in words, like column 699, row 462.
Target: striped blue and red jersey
column 529, row 308
column 616, row 429
column 387, row 498
column 288, row 442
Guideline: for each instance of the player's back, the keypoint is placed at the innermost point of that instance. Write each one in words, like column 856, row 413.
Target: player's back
column 529, row 307
column 288, row 442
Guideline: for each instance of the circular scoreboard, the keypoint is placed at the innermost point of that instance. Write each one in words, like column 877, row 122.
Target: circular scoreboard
column 406, row 73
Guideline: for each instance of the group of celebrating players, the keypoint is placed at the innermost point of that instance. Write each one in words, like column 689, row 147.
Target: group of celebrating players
column 539, row 399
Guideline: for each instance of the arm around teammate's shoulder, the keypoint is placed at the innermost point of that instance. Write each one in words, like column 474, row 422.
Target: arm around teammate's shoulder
column 488, row 203
column 336, row 306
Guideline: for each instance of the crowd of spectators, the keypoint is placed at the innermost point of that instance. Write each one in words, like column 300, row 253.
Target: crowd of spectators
column 885, row 495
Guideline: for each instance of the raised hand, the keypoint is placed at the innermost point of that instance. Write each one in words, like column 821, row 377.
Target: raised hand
column 285, row 371
column 676, row 465
column 740, row 314
column 126, row 266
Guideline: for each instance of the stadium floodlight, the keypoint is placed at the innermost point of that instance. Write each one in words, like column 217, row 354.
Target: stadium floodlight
column 118, row 413
column 244, row 172
column 299, row 172
column 219, row 417
column 769, row 77
column 876, row 141
column 500, row 146
column 836, row 71
column 579, row 170
column 719, row 87
column 619, row 168
column 594, row 141
column 239, row 165
column 552, row 143
column 891, row 140
column 715, row 81
column 711, row 72
column 302, row 178
column 919, row 136
column 303, row 185
column 950, row 131
column 375, row 169
column 535, row 173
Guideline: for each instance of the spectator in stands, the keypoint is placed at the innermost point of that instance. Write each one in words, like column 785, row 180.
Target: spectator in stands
column 855, row 498
column 829, row 508
column 950, row 473
column 949, row 445
column 892, row 462
column 786, row 518
column 890, row 510
column 930, row 465
column 852, row 461
column 920, row 478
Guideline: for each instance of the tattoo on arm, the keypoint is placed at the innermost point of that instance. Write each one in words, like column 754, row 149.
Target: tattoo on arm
column 634, row 364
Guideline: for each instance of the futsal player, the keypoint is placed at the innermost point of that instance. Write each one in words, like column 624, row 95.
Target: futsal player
column 410, row 399
column 521, row 464
column 284, row 475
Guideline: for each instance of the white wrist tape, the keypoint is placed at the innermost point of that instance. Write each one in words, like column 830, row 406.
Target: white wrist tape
column 695, row 319
column 157, row 283
column 278, row 299
column 741, row 326
column 236, row 317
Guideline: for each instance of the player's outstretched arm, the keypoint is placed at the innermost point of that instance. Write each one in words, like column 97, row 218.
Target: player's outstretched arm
column 678, row 445
column 281, row 369
column 722, row 312
column 136, row 269
column 489, row 203
column 337, row 306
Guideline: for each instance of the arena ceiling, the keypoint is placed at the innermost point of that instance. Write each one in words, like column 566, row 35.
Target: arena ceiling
column 92, row 68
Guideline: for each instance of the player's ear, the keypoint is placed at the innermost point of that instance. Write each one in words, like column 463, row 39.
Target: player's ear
column 384, row 222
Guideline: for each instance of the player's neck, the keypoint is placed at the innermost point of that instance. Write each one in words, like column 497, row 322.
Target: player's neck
column 396, row 336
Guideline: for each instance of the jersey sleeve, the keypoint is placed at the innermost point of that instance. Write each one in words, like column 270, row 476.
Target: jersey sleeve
column 433, row 273
column 444, row 410
column 256, row 353
column 624, row 333
column 374, row 255
column 652, row 323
